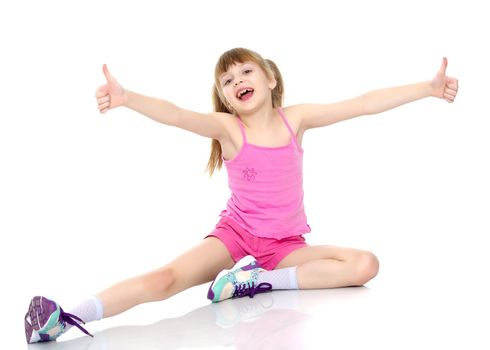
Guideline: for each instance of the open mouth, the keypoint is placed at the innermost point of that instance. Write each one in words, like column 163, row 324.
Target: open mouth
column 245, row 94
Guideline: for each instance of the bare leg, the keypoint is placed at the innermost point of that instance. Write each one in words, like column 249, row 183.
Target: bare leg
column 197, row 266
column 331, row 267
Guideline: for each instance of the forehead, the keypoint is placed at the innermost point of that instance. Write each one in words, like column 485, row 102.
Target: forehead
column 236, row 65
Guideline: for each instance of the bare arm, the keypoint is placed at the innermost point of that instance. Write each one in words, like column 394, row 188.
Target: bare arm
column 377, row 101
column 208, row 125
column 154, row 108
column 112, row 95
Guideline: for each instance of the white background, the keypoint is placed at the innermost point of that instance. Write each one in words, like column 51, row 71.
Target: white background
column 87, row 199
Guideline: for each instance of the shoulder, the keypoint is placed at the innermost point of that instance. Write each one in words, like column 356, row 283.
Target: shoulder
column 229, row 124
column 295, row 116
column 294, row 111
column 213, row 125
column 226, row 119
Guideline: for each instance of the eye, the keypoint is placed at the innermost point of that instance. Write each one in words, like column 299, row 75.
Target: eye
column 246, row 71
column 226, row 82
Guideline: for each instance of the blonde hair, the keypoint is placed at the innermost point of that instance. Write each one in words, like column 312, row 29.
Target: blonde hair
column 227, row 59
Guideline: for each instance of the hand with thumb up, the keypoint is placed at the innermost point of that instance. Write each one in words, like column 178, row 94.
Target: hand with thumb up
column 110, row 95
column 444, row 86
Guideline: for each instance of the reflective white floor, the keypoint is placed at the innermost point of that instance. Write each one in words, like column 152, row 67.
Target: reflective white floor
column 401, row 317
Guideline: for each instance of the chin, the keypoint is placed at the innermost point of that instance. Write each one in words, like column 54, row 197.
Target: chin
column 252, row 106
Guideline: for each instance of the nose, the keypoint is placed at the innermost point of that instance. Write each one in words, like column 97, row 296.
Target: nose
column 239, row 82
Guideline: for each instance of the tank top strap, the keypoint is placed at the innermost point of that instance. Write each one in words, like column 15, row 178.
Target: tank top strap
column 242, row 129
column 293, row 135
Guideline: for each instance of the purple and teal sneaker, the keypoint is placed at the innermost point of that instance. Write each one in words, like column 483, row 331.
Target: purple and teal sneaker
column 240, row 281
column 45, row 320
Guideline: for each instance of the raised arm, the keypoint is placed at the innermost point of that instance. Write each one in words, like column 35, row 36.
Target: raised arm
column 112, row 95
column 377, row 101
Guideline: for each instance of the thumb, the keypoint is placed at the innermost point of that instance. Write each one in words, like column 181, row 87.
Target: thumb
column 108, row 75
column 442, row 70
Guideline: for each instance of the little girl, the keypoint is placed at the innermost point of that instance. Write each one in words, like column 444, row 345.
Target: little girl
column 262, row 227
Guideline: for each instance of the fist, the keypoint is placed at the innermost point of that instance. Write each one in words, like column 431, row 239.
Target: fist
column 111, row 94
column 443, row 86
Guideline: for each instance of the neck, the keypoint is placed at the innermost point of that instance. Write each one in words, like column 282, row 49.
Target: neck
column 259, row 119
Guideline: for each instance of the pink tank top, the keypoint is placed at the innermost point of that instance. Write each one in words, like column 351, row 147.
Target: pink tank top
column 266, row 186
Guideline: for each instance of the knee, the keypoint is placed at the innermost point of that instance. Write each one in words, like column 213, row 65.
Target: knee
column 367, row 267
column 157, row 283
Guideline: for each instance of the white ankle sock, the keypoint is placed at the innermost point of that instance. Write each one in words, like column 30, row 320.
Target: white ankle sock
column 91, row 309
column 280, row 279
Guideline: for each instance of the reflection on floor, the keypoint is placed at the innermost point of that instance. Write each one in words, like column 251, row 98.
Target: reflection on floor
column 276, row 320
column 396, row 315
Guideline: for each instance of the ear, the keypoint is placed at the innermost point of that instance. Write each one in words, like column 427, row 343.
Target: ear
column 272, row 83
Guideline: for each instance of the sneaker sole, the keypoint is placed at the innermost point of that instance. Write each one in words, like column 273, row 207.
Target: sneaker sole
column 41, row 313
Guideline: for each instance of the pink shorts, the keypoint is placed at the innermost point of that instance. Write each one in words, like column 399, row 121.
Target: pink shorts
column 268, row 251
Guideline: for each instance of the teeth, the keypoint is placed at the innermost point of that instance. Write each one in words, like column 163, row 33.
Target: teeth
column 243, row 92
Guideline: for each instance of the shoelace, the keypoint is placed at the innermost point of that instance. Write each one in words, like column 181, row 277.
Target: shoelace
column 250, row 289
column 73, row 320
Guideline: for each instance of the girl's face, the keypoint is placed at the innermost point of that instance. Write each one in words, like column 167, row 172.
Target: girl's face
column 246, row 86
